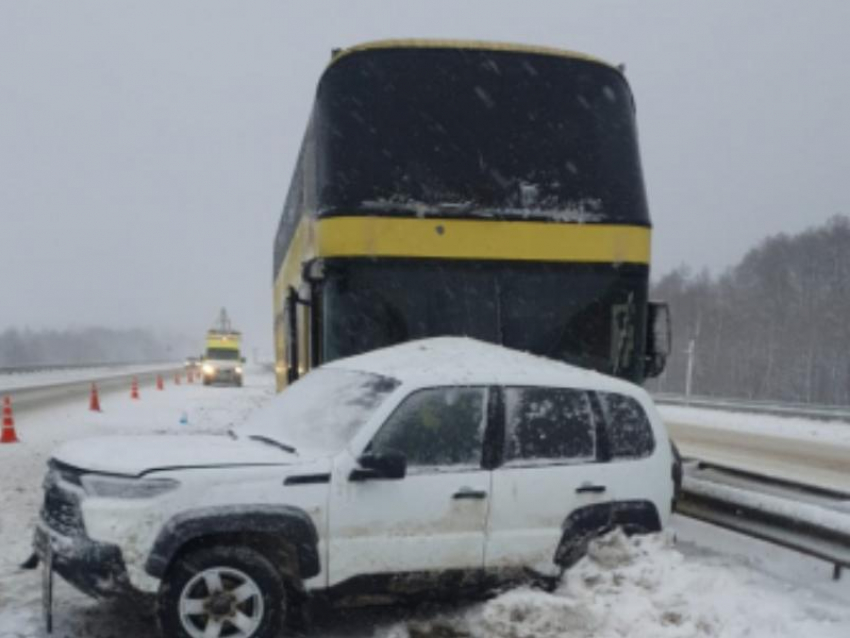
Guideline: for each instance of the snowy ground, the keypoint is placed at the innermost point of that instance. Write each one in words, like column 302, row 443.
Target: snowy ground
column 653, row 586
column 708, row 583
column 22, row 467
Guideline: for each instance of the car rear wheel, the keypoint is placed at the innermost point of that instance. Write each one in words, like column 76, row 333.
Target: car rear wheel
column 222, row 592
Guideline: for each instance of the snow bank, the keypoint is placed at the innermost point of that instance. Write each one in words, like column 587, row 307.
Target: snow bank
column 643, row 587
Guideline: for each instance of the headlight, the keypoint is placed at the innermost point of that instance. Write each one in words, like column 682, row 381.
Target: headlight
column 238, row 369
column 209, row 368
column 116, row 487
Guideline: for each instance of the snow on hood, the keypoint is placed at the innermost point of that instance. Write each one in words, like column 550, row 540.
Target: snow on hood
column 134, row 455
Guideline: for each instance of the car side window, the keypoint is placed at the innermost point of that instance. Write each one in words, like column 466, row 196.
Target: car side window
column 628, row 428
column 548, row 424
column 437, row 427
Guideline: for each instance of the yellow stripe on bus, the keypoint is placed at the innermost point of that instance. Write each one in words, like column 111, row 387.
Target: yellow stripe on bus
column 226, row 344
column 475, row 45
column 481, row 239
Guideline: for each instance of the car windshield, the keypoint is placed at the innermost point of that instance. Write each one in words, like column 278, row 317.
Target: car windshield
column 321, row 411
column 227, row 354
column 498, row 131
column 370, row 305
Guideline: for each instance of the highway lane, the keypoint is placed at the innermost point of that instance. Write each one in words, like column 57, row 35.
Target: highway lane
column 36, row 395
column 821, row 463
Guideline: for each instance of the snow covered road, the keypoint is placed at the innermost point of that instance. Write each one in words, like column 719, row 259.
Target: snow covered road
column 36, row 390
column 709, row 583
column 800, row 450
column 22, row 468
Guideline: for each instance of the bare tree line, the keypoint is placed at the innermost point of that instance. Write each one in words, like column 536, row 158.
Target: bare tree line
column 84, row 346
column 774, row 327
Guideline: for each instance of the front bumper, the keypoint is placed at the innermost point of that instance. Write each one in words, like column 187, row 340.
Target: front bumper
column 95, row 568
column 224, row 375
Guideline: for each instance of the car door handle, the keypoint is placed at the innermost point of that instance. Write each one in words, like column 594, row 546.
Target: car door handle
column 590, row 488
column 467, row 493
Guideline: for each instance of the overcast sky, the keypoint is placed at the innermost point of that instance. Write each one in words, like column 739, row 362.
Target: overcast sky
column 146, row 147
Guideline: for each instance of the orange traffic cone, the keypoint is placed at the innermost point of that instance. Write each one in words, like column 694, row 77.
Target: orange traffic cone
column 134, row 389
column 159, row 384
column 176, row 378
column 190, row 378
column 8, row 434
column 94, row 400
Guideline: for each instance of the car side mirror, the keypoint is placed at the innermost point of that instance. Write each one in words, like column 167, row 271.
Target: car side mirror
column 383, row 465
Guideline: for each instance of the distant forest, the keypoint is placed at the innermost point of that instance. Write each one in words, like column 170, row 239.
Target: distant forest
column 20, row 348
column 774, row 327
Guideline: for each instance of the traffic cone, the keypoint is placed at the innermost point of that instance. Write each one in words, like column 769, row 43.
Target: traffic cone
column 159, row 384
column 176, row 378
column 8, row 434
column 190, row 377
column 134, row 389
column 94, row 400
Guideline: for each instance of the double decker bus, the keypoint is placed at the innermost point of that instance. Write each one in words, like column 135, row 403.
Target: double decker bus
column 467, row 188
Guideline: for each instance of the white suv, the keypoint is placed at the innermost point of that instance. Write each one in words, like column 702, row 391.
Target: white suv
column 424, row 468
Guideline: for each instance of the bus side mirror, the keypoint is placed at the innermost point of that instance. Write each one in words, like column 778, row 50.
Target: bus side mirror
column 659, row 338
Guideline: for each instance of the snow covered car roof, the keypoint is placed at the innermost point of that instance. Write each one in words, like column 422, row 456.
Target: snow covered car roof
column 465, row 361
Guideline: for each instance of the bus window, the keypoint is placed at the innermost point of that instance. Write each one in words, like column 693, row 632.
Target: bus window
column 547, row 309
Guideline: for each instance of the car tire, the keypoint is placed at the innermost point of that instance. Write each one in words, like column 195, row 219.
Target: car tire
column 677, row 471
column 236, row 588
column 574, row 547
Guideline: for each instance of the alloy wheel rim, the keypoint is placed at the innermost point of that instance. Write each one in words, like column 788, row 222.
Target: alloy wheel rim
column 221, row 602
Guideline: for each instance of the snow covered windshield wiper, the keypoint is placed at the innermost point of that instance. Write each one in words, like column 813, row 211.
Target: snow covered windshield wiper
column 271, row 441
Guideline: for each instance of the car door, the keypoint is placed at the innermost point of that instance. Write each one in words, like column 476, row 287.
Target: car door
column 433, row 519
column 640, row 468
column 549, row 469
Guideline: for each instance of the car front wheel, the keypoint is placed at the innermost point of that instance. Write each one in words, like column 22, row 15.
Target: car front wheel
column 222, row 592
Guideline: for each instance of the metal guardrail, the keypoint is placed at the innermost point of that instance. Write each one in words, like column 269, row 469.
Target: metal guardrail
column 804, row 410
column 47, row 367
column 28, row 397
column 812, row 536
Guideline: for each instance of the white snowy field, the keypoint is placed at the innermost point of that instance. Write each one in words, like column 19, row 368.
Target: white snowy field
column 706, row 583
column 19, row 380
